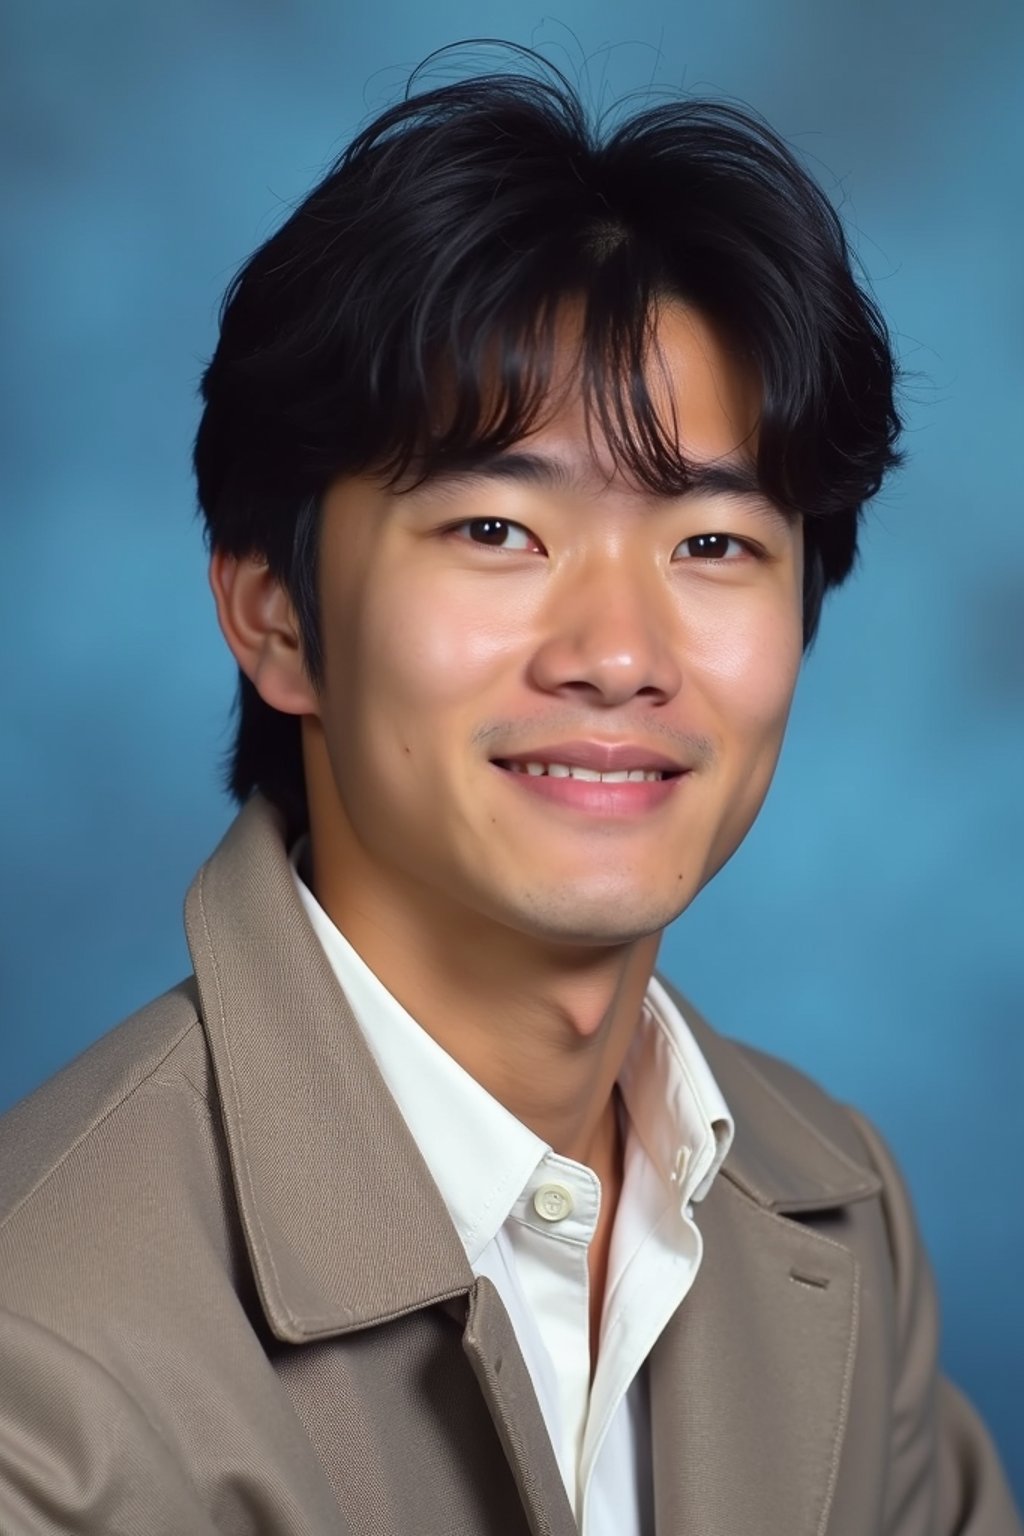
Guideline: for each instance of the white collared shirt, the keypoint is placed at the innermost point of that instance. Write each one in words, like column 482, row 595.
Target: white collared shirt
column 526, row 1216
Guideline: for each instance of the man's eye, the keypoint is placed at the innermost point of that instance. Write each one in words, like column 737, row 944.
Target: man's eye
column 712, row 546
column 496, row 533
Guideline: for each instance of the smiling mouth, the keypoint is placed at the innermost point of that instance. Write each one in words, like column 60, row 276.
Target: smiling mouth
column 588, row 775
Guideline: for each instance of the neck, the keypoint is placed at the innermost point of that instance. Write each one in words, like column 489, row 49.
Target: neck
column 543, row 1027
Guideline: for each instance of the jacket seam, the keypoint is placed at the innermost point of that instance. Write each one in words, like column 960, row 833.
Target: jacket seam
column 844, row 1401
column 326, row 1325
column 96, row 1124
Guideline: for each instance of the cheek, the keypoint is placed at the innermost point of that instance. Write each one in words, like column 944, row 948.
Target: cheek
column 747, row 667
column 425, row 652
column 747, row 679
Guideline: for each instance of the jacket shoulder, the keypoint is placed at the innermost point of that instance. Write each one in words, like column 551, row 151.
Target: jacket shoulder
column 164, row 1040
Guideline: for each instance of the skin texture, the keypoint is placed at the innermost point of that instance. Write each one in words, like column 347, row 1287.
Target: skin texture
column 520, row 931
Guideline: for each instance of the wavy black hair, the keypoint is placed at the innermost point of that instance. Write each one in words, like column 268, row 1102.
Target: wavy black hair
column 432, row 261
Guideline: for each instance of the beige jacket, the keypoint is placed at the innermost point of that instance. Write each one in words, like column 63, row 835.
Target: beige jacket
column 231, row 1299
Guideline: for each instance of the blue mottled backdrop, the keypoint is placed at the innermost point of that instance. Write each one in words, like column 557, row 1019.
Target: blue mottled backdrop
column 871, row 926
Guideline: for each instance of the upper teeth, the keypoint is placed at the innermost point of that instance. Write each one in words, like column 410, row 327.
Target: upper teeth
column 571, row 771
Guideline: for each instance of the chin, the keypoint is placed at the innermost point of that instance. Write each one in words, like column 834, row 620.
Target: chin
column 574, row 916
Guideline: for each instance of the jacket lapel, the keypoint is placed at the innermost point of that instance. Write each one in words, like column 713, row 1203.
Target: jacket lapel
column 749, row 1383
column 490, row 1343
column 751, row 1380
column 313, row 1134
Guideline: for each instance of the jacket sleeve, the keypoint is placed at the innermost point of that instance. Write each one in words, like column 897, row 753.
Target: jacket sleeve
column 945, row 1478
column 76, row 1453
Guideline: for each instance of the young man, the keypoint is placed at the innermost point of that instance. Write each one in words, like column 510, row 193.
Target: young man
column 424, row 1206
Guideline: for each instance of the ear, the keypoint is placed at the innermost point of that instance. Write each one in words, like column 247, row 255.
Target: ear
column 260, row 626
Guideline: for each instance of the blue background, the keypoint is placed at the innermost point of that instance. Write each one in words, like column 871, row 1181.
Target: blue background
column 870, row 927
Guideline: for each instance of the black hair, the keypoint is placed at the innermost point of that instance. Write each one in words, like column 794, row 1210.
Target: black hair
column 439, row 250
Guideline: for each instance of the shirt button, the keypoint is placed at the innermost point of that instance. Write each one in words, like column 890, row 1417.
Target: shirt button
column 681, row 1166
column 553, row 1202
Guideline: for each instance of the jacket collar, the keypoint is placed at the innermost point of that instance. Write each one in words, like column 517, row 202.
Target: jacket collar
column 778, row 1158
column 344, row 1225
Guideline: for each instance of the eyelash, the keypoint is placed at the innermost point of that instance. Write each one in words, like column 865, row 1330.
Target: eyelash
column 746, row 545
column 499, row 522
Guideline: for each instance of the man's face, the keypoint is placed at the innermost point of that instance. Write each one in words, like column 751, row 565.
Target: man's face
column 544, row 613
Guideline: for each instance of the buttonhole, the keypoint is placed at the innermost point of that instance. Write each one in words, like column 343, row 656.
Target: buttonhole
column 816, row 1282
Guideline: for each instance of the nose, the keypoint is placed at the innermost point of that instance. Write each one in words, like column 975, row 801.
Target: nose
column 610, row 634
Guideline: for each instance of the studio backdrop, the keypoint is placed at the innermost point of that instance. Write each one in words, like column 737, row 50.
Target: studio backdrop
column 870, row 927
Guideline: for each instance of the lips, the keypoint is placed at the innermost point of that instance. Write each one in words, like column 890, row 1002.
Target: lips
column 623, row 795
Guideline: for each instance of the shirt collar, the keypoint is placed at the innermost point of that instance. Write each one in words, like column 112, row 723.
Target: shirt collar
column 479, row 1155
column 675, row 1105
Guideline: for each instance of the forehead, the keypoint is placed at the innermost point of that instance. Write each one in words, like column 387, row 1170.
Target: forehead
column 701, row 385
column 706, row 397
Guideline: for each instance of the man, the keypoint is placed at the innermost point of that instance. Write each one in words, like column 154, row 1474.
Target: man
column 424, row 1206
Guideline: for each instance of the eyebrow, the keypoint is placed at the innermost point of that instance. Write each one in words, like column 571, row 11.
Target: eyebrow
column 719, row 477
